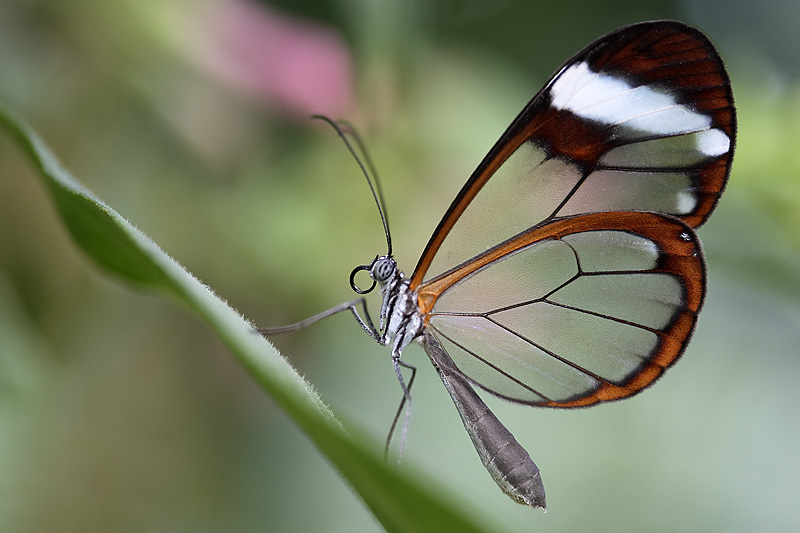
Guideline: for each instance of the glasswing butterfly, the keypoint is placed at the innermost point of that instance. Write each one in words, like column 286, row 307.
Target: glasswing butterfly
column 567, row 271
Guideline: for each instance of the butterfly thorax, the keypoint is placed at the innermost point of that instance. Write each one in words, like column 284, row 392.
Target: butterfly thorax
column 400, row 318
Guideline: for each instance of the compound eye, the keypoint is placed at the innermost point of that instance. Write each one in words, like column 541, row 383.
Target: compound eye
column 383, row 269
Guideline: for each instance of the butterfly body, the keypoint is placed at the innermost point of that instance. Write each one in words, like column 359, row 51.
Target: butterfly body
column 402, row 320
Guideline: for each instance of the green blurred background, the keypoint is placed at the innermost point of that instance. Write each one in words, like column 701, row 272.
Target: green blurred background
column 120, row 411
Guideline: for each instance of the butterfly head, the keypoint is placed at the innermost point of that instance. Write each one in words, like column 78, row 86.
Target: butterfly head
column 382, row 269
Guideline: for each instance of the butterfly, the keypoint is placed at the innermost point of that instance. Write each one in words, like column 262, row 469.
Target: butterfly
column 567, row 271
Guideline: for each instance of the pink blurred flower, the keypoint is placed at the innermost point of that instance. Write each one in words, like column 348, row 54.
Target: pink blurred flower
column 294, row 64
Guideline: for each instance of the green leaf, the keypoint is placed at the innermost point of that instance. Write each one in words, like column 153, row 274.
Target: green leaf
column 398, row 502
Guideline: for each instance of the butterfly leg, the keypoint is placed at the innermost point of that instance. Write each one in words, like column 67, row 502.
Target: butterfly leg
column 404, row 402
column 365, row 322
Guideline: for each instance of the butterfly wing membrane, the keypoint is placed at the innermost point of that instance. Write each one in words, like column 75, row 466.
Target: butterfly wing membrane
column 640, row 120
column 587, row 309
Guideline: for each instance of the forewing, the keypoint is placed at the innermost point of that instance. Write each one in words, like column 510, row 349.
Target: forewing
column 641, row 120
column 588, row 309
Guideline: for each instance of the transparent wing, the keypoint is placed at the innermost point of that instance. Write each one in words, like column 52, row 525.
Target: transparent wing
column 589, row 308
column 640, row 120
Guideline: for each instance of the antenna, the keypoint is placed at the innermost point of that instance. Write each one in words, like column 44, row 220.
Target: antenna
column 343, row 129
